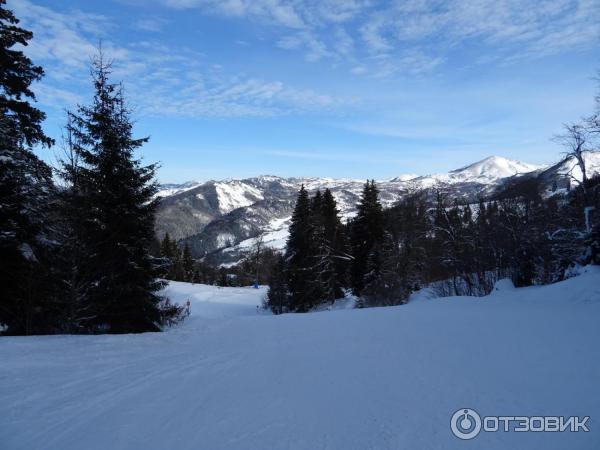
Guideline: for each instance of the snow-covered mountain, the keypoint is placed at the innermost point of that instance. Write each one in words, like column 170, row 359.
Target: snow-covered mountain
column 173, row 189
column 486, row 171
column 220, row 220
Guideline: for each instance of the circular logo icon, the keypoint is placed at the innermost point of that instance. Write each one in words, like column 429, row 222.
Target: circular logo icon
column 465, row 423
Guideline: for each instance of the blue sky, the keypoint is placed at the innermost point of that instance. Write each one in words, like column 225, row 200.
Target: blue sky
column 341, row 88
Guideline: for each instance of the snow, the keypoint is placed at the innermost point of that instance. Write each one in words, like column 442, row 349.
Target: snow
column 486, row 171
column 235, row 194
column 405, row 177
column 384, row 378
column 174, row 189
column 502, row 286
column 275, row 236
column 224, row 240
column 571, row 168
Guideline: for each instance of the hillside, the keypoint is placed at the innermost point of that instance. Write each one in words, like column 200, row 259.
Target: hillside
column 220, row 220
column 381, row 378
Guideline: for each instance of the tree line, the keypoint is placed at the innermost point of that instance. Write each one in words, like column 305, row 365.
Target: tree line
column 74, row 242
column 521, row 232
column 384, row 255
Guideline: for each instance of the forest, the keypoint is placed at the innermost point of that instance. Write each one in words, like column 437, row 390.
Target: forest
column 79, row 252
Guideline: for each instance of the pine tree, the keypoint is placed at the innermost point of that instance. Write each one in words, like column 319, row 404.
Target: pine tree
column 366, row 233
column 333, row 249
column 387, row 280
column 278, row 297
column 117, row 194
column 298, row 255
column 176, row 271
column 166, row 247
column 26, row 191
column 187, row 263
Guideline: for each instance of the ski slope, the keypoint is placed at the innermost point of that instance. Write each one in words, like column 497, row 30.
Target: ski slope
column 385, row 378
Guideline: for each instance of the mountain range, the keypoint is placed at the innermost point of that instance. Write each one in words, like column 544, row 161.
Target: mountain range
column 221, row 220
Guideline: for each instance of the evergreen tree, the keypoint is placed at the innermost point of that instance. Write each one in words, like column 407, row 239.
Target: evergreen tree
column 26, row 191
column 387, row 281
column 333, row 249
column 166, row 247
column 223, row 279
column 176, row 270
column 298, row 256
column 278, row 297
column 187, row 263
column 366, row 233
column 117, row 194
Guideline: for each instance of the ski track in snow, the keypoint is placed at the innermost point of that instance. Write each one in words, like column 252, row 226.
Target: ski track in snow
column 385, row 378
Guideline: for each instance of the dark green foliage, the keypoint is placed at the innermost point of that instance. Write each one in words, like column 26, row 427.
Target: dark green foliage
column 366, row 233
column 187, row 264
column 298, row 254
column 316, row 259
column 112, row 193
column 26, row 192
column 334, row 248
column 20, row 122
column 278, row 297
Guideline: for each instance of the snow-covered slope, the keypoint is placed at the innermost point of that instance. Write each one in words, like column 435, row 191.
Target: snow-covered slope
column 570, row 168
column 236, row 194
column 486, row 171
column 385, row 378
column 167, row 190
column 220, row 219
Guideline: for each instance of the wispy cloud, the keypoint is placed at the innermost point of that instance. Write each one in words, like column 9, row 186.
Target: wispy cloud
column 514, row 29
column 273, row 11
column 164, row 80
column 151, row 24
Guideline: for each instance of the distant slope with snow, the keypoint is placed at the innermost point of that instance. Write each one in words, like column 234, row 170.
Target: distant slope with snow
column 384, row 378
column 221, row 219
column 486, row 171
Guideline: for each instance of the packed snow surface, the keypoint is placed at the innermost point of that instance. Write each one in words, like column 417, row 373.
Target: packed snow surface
column 232, row 377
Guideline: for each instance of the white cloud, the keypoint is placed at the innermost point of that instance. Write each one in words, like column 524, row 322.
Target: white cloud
column 508, row 29
column 314, row 49
column 278, row 12
column 158, row 79
column 151, row 24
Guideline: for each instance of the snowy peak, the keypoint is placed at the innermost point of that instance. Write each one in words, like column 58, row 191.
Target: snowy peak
column 493, row 168
column 404, row 177
column 487, row 171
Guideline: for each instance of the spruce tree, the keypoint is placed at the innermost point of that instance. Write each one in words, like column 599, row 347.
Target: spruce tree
column 387, row 282
column 366, row 233
column 278, row 297
column 176, row 271
column 298, row 255
column 26, row 191
column 333, row 249
column 166, row 247
column 117, row 195
column 187, row 263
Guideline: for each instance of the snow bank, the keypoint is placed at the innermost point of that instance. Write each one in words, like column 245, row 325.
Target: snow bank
column 381, row 378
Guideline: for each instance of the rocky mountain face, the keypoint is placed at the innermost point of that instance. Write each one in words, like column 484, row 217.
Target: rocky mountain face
column 221, row 220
